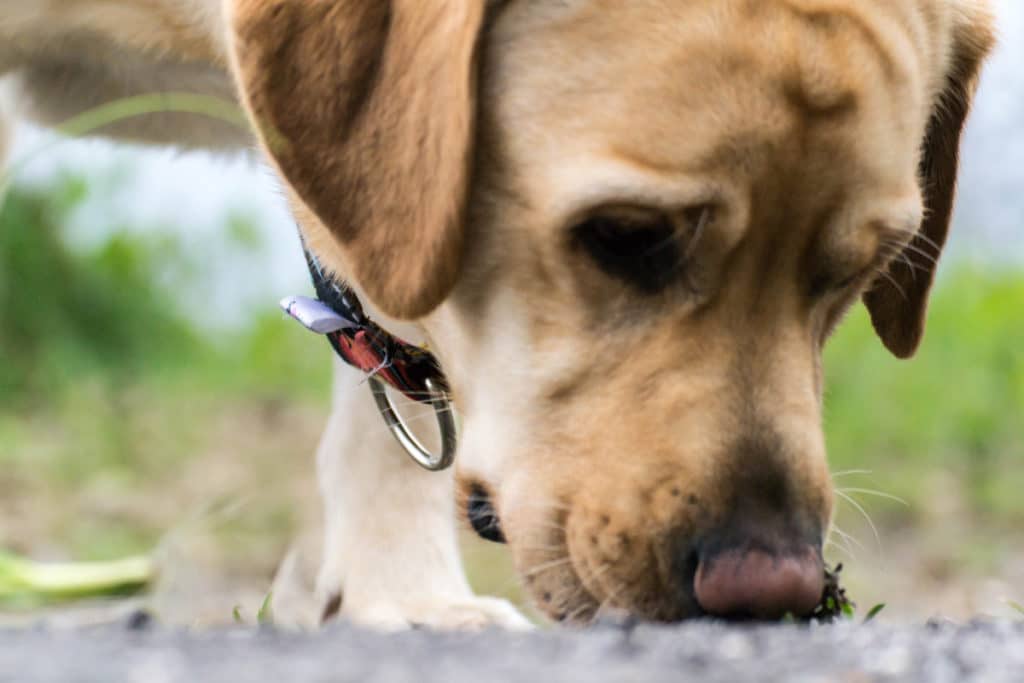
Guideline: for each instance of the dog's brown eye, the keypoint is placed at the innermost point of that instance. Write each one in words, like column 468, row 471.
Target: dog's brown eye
column 646, row 249
column 482, row 516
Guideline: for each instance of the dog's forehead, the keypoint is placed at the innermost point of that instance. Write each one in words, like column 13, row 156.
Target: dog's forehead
column 672, row 102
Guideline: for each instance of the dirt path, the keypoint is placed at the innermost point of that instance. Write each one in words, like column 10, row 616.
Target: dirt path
column 989, row 652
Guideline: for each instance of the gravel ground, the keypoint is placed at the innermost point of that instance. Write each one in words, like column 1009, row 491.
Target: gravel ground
column 137, row 651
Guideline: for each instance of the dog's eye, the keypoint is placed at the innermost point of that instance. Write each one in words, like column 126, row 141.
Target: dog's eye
column 847, row 282
column 825, row 284
column 482, row 515
column 645, row 249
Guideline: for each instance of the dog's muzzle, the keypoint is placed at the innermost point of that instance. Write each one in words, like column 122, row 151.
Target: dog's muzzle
column 386, row 359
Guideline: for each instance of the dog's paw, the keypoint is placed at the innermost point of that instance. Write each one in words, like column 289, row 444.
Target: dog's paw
column 465, row 614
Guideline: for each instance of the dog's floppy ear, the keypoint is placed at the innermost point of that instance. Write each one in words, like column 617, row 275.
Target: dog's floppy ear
column 898, row 303
column 368, row 107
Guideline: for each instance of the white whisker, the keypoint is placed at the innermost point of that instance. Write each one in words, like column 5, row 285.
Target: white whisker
column 849, row 542
column 840, row 547
column 560, row 528
column 578, row 612
column 538, row 505
column 542, row 548
column 846, row 473
column 922, row 253
column 595, row 575
column 547, row 566
column 857, row 506
column 917, row 234
column 879, row 494
column 893, row 282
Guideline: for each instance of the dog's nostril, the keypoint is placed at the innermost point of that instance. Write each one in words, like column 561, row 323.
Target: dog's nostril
column 482, row 515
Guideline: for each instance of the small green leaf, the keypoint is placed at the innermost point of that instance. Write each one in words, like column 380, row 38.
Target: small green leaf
column 236, row 614
column 848, row 609
column 874, row 612
column 1016, row 606
column 265, row 615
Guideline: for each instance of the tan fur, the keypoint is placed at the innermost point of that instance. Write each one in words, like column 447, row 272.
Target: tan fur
column 368, row 110
column 628, row 424
column 615, row 430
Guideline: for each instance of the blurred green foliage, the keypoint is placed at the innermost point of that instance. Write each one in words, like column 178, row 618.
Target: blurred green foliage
column 99, row 314
column 107, row 386
column 956, row 408
column 93, row 345
column 63, row 315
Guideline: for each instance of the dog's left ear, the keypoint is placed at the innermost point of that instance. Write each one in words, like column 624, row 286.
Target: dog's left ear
column 368, row 108
column 898, row 304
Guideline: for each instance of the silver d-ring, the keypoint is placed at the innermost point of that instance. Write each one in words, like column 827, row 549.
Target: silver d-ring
column 445, row 422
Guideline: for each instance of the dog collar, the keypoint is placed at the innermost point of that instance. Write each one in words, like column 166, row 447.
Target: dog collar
column 386, row 359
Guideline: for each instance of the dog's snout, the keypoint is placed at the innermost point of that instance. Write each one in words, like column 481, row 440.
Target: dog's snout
column 763, row 559
column 760, row 582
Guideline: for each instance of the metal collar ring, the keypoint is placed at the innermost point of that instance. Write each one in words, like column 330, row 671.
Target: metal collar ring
column 445, row 423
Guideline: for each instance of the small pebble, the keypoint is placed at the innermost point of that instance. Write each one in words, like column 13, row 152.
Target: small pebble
column 139, row 620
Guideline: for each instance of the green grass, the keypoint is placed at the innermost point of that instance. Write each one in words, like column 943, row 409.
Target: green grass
column 106, row 386
column 62, row 315
column 264, row 615
column 24, row 583
column 874, row 612
column 956, row 409
column 69, row 317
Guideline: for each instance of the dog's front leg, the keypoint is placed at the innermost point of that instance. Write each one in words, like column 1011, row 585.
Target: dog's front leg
column 390, row 550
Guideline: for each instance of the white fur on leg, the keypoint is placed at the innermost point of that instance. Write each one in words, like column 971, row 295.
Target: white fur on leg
column 390, row 545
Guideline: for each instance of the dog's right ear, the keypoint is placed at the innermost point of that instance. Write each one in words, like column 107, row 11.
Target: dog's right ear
column 367, row 107
column 898, row 302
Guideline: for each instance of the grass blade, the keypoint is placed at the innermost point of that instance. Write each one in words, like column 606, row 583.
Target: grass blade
column 265, row 615
column 874, row 612
column 129, row 107
column 26, row 582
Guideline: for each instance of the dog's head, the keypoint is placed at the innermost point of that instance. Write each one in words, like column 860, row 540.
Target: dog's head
column 629, row 228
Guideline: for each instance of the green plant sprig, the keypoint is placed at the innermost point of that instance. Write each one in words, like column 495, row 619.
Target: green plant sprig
column 24, row 582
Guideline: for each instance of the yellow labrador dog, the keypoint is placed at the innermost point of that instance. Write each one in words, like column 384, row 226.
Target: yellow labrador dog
column 627, row 230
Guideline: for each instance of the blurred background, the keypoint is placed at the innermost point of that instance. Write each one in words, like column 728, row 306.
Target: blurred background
column 154, row 401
